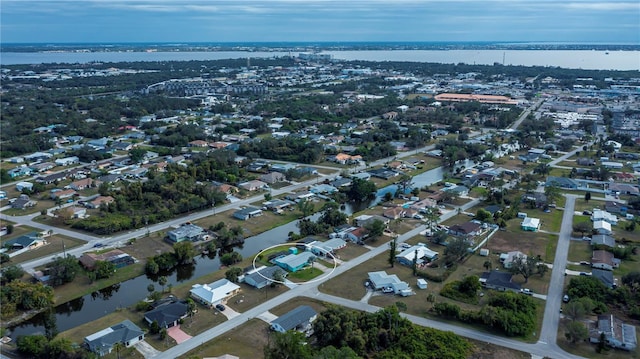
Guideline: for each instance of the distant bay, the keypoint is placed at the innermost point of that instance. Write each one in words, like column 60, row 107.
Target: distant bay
column 574, row 59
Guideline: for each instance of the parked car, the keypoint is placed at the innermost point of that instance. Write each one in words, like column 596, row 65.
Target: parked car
column 405, row 246
column 526, row 291
column 220, row 307
column 587, row 213
column 565, row 298
column 387, row 290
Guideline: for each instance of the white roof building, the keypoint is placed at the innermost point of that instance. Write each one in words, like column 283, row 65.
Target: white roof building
column 602, row 227
column 600, row 215
column 214, row 293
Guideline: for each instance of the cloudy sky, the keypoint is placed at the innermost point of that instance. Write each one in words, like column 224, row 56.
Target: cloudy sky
column 592, row 21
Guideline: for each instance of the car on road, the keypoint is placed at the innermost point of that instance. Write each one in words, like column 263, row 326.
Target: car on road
column 220, row 307
column 98, row 245
column 405, row 246
column 526, row 291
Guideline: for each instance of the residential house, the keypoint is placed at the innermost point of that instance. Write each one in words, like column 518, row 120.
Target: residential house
column 283, row 167
column 420, row 253
column 226, row 188
column 198, row 143
column 214, row 293
column 29, row 240
column 19, row 171
column 124, row 332
column 167, row 315
column 468, row 229
column 299, row 319
column 357, row 235
column 388, row 282
column 600, row 215
column 54, row 177
column 604, row 260
column 603, row 240
column 624, row 188
column 273, row 177
column 615, row 207
column 341, row 182
column 186, row 232
column 278, row 205
column 42, row 167
column 67, row 161
column 117, row 257
column 263, row 276
column 327, row 248
column 345, row 159
column 508, row 258
column 322, row 189
column 20, row 186
column 562, row 182
column 393, row 213
column 23, row 202
column 423, row 204
column 62, row 194
column 584, row 161
column 364, row 219
column 100, row 201
column 602, row 227
column 294, row 261
column 500, row 281
column 83, row 184
column 72, row 212
column 383, row 173
column 605, row 276
column 530, row 224
column 254, row 185
column 617, row 334
column 246, row 213
column 459, row 191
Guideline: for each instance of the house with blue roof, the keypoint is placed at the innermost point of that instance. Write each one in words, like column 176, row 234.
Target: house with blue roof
column 294, row 261
column 298, row 319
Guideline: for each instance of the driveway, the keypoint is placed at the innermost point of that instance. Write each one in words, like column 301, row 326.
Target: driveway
column 146, row 350
column 177, row 334
column 229, row 312
column 267, row 317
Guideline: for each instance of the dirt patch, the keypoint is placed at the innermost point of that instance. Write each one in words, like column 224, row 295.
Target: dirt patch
column 484, row 350
column 145, row 247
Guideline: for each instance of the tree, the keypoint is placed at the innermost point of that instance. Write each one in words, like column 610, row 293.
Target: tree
column 232, row 274
column 32, row 345
column 63, row 270
column 576, row 332
column 9, row 229
column 151, row 267
column 12, row 273
column 392, row 251
column 162, row 280
column 60, row 348
column 184, row 252
column 228, row 259
column 361, row 190
column 288, row 345
column 632, row 280
column 456, row 248
column 151, row 288
column 552, row 193
column 267, row 197
column 404, row 183
column 104, row 269
column 333, row 217
column 306, row 207
column 583, row 227
column 4, row 258
column 524, row 265
column 483, row 215
column 487, row 265
column 137, row 154
column 374, row 228
column 191, row 308
column 431, row 216
column 575, row 310
column 587, row 196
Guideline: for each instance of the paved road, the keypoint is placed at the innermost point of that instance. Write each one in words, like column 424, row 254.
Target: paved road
column 525, row 114
column 551, row 318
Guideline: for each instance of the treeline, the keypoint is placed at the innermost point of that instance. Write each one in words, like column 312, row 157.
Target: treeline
column 286, row 149
column 347, row 334
column 510, row 313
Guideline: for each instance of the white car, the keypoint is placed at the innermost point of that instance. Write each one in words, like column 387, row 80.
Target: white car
column 387, row 290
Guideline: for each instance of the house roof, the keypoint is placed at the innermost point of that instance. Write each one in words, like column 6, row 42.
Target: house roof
column 422, row 250
column 294, row 318
column 603, row 239
column 499, row 279
column 602, row 225
column 295, row 260
column 381, row 278
column 23, row 241
column 167, row 313
column 247, row 211
column 602, row 256
column 264, row 275
column 465, row 228
column 605, row 276
column 119, row 333
column 531, row 222
column 188, row 230
column 215, row 291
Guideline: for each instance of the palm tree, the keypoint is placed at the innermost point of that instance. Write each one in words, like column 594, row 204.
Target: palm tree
column 118, row 347
column 162, row 281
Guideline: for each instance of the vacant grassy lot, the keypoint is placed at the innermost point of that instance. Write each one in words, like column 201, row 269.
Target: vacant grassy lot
column 268, row 220
column 245, row 341
column 530, row 243
column 579, row 251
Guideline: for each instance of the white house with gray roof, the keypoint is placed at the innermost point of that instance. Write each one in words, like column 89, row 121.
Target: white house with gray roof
column 298, row 319
column 124, row 332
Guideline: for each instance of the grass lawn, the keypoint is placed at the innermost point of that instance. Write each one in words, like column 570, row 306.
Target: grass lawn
column 580, row 251
column 631, row 264
column 201, row 321
column 268, row 220
column 304, row 275
column 530, row 243
column 245, row 341
column 548, row 221
column 18, row 230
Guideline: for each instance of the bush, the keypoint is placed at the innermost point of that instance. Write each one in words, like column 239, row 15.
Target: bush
column 143, row 306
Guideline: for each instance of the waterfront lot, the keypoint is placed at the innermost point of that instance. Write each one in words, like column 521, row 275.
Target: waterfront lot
column 54, row 246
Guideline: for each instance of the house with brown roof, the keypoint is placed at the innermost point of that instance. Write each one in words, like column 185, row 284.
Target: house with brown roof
column 100, row 201
column 604, row 260
column 468, row 229
column 253, row 185
column 198, row 143
column 117, row 257
column 393, row 213
column 227, row 188
column 85, row 183
column 67, row 193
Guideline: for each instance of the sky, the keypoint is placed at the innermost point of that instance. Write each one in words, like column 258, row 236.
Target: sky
column 180, row 21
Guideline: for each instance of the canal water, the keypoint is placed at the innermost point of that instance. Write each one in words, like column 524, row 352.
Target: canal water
column 125, row 294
